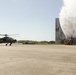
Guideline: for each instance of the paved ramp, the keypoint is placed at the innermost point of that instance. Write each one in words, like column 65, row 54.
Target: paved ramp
column 37, row 60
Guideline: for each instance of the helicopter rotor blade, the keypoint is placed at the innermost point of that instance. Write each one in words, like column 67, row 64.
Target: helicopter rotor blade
column 3, row 35
column 8, row 35
column 13, row 34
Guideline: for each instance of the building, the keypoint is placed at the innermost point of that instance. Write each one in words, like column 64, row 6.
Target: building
column 59, row 35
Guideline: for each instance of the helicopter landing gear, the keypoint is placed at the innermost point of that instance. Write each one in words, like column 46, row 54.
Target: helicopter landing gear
column 10, row 44
column 6, row 44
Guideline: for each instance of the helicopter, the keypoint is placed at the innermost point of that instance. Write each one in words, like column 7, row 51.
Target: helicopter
column 6, row 39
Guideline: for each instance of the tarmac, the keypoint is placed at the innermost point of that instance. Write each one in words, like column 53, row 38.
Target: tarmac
column 38, row 60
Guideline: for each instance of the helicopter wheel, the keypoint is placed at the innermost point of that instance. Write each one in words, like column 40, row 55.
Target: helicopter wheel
column 9, row 44
column 6, row 44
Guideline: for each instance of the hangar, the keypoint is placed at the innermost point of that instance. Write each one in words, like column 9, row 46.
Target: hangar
column 59, row 35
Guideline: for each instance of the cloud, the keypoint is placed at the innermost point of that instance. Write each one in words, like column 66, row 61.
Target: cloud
column 68, row 18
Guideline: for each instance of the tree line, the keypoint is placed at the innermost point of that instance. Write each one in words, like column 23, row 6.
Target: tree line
column 35, row 42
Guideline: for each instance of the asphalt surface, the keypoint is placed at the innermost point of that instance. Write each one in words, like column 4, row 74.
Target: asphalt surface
column 37, row 60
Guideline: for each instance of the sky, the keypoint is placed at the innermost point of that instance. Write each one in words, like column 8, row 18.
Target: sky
column 31, row 19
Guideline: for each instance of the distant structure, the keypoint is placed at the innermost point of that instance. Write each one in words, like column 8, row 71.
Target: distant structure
column 59, row 35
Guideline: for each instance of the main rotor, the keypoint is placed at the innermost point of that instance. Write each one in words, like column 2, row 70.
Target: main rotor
column 6, row 35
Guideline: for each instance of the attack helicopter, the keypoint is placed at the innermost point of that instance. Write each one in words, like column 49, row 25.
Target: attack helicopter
column 6, row 39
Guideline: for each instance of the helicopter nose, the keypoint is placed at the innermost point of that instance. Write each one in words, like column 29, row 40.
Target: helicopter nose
column 15, row 40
